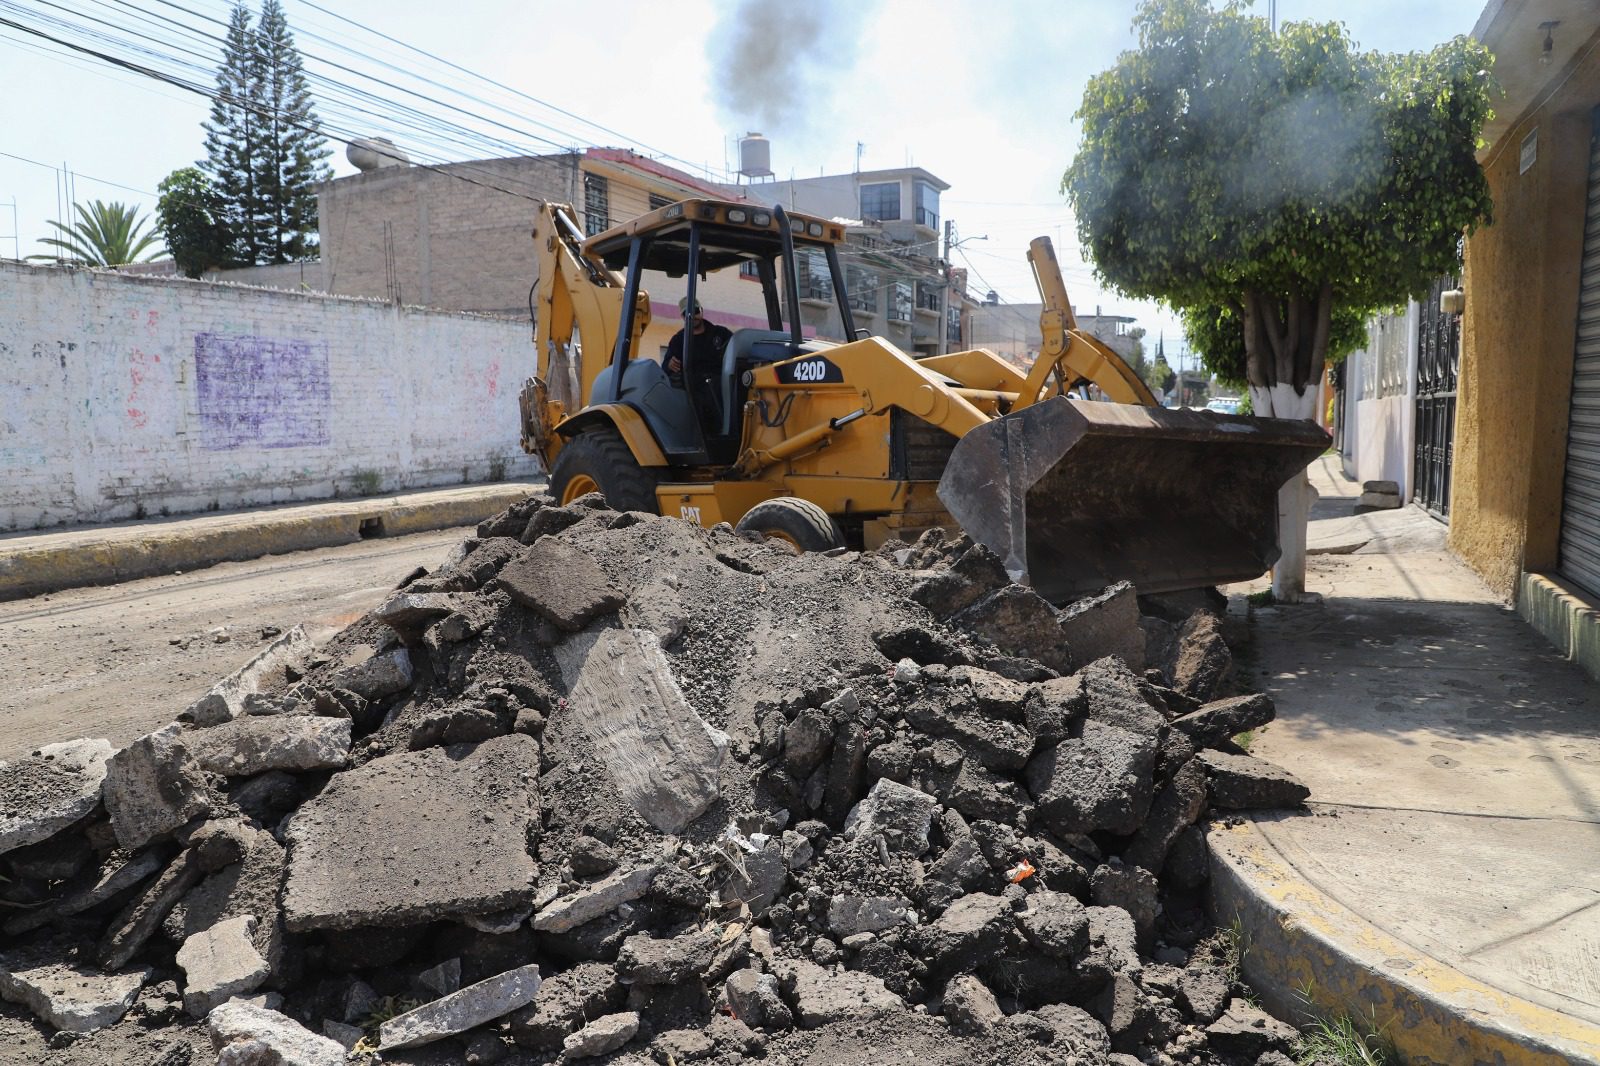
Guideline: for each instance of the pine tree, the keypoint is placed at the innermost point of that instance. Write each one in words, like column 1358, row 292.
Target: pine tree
column 290, row 162
column 264, row 153
column 233, row 141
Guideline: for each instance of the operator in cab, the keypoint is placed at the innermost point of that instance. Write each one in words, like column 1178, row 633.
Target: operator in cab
column 697, row 365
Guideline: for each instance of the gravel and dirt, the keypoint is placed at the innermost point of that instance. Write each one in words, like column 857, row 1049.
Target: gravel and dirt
column 118, row 662
column 608, row 786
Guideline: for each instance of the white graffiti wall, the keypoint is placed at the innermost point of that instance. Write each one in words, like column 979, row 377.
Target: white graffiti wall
column 126, row 397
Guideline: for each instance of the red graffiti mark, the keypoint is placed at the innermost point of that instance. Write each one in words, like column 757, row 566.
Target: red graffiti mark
column 152, row 319
column 137, row 362
column 494, row 379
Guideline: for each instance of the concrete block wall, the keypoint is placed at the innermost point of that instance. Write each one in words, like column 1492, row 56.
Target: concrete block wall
column 125, row 396
column 457, row 236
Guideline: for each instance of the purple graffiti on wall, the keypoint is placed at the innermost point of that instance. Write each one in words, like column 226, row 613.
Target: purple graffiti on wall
column 261, row 392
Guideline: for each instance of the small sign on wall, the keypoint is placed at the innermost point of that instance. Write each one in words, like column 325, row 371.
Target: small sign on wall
column 1530, row 149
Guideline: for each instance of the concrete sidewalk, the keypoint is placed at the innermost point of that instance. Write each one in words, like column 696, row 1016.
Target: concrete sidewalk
column 1445, row 882
column 32, row 563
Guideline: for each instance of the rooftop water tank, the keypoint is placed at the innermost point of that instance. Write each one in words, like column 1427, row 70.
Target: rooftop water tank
column 755, row 156
column 374, row 153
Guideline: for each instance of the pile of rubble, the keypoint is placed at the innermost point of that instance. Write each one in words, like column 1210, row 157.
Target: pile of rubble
column 611, row 784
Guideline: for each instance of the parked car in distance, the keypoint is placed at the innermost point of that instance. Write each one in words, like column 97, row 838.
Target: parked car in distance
column 1225, row 405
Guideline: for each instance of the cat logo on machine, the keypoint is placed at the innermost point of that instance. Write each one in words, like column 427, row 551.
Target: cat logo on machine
column 689, row 513
column 815, row 370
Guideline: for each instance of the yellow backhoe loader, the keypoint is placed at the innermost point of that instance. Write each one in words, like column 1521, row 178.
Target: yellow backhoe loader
column 854, row 442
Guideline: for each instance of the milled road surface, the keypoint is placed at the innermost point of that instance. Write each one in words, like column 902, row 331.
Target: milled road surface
column 102, row 662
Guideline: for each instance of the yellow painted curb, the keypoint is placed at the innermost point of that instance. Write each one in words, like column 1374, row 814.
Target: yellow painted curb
column 1567, row 618
column 1302, row 945
column 167, row 548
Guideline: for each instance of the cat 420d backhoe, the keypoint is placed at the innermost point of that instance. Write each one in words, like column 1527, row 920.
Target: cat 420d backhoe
column 852, row 443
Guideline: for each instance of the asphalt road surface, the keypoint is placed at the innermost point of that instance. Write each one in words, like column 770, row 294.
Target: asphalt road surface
column 120, row 660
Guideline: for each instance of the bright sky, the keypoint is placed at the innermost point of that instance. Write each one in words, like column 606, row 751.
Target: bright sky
column 981, row 95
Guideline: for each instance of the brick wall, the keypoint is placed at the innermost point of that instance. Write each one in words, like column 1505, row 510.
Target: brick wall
column 122, row 396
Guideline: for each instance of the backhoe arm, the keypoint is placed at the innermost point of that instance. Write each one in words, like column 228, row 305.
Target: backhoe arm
column 577, row 305
column 1078, row 355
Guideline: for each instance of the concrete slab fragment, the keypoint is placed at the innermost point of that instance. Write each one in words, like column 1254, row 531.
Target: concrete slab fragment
column 417, row 836
column 1105, row 624
column 601, row 1036
column 49, row 790
column 152, row 787
column 823, row 997
column 265, row 673
column 66, row 996
column 1099, row 781
column 249, row 887
column 377, row 677
column 662, row 756
column 247, row 1035
column 592, row 901
column 117, row 875
column 561, row 583
column 248, row 746
column 456, row 1013
column 220, row 963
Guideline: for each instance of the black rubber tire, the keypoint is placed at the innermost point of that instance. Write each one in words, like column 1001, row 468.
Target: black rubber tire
column 800, row 522
column 603, row 457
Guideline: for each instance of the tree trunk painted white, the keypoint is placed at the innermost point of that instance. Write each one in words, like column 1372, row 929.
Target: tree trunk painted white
column 1294, row 499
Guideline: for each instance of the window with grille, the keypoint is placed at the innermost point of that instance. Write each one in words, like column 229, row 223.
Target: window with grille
column 900, row 301
column 927, row 205
column 952, row 326
column 927, row 296
column 881, row 202
column 657, row 201
column 811, row 270
column 862, row 288
column 596, row 204
column 750, row 269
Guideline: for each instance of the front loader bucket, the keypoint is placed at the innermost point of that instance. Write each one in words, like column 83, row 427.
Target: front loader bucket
column 1075, row 495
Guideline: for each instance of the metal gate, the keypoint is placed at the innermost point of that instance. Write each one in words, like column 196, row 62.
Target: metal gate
column 1438, row 359
column 1580, row 497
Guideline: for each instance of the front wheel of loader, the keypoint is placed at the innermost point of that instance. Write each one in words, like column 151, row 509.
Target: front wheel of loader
column 799, row 523
column 599, row 461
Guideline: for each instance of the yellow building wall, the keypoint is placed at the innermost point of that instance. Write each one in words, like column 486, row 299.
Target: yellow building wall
column 1517, row 338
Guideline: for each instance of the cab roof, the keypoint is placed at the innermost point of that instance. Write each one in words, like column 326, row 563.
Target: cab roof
column 730, row 233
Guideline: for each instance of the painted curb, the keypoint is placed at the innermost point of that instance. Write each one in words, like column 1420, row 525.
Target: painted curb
column 1301, row 945
column 1567, row 618
column 33, row 571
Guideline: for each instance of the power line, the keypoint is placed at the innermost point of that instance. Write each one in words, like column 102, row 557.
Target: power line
column 452, row 171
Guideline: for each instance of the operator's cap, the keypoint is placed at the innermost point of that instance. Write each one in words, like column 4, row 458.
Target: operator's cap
column 683, row 305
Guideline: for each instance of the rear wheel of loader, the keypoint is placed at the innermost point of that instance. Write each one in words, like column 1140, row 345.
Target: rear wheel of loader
column 800, row 523
column 599, row 461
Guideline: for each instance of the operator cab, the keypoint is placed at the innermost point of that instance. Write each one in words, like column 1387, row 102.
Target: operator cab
column 701, row 422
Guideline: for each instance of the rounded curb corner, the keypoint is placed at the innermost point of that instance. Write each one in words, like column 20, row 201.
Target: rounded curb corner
column 1307, row 954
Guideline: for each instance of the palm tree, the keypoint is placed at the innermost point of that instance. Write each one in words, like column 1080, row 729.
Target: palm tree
column 105, row 235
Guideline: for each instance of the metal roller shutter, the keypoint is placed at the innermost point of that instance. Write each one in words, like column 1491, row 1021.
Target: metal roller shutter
column 1580, row 502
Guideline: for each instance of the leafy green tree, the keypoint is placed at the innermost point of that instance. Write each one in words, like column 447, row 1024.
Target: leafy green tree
column 104, row 235
column 1282, row 178
column 190, row 215
column 1217, row 334
column 264, row 151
